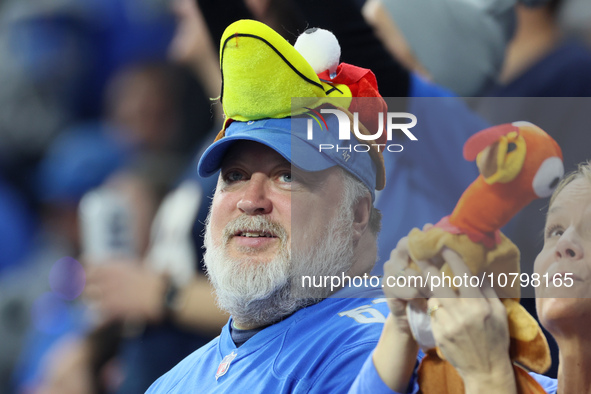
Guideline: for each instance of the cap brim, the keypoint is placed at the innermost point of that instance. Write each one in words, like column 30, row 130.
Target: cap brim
column 273, row 133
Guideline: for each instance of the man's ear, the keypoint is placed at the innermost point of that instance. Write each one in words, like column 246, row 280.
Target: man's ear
column 361, row 214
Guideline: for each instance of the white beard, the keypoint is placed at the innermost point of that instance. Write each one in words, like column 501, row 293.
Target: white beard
column 258, row 294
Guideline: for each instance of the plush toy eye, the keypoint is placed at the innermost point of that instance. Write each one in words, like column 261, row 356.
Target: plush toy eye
column 548, row 176
column 511, row 146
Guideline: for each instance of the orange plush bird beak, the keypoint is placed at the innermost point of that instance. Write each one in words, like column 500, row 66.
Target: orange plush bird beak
column 503, row 160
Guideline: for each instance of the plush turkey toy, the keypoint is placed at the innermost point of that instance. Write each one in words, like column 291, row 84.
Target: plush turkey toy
column 518, row 163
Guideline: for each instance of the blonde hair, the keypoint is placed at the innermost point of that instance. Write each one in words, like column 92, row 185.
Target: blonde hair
column 584, row 171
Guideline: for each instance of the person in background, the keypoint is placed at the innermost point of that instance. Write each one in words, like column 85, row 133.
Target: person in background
column 179, row 315
column 542, row 59
column 468, row 53
column 140, row 141
column 80, row 159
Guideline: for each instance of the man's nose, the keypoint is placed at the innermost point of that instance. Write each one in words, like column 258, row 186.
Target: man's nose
column 569, row 246
column 255, row 198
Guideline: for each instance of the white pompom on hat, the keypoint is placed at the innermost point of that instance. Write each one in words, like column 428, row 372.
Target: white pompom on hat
column 320, row 48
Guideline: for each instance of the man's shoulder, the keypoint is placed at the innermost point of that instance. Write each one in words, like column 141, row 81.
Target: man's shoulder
column 335, row 326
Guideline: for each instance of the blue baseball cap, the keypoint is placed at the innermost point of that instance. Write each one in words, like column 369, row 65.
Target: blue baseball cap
column 290, row 138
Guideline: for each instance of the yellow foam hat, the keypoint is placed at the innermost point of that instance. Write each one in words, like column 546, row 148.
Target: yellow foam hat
column 264, row 72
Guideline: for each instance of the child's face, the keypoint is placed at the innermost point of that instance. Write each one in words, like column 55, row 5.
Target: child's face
column 566, row 255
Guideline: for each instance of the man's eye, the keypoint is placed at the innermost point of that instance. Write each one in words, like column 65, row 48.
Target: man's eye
column 286, row 177
column 233, row 176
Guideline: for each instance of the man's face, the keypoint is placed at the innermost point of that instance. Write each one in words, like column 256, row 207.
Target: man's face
column 269, row 224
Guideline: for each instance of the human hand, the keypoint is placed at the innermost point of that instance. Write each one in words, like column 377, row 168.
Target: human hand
column 191, row 36
column 126, row 290
column 471, row 331
column 399, row 296
column 192, row 45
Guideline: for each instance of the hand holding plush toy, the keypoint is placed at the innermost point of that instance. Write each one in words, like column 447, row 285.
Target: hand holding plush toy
column 517, row 162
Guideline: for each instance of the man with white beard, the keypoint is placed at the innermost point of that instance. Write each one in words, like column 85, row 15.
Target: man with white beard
column 258, row 287
column 284, row 209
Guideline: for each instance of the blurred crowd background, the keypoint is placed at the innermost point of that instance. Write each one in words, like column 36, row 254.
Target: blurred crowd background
column 120, row 95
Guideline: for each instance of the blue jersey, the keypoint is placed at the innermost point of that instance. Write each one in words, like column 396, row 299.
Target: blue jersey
column 318, row 349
